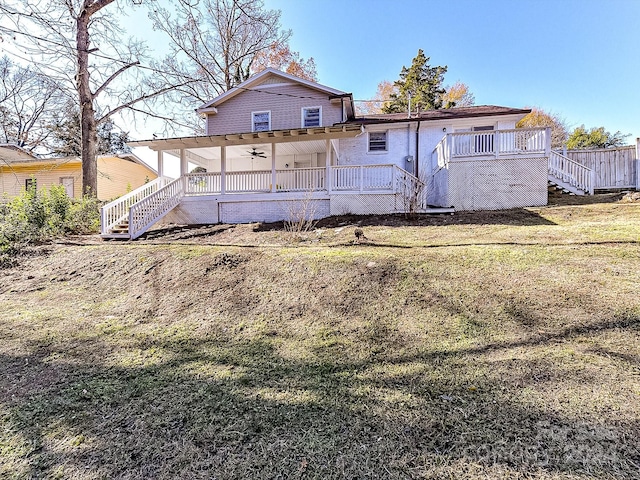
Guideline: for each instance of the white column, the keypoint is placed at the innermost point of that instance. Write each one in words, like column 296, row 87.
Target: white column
column 223, row 169
column 329, row 162
column 160, row 163
column 184, row 164
column 273, row 167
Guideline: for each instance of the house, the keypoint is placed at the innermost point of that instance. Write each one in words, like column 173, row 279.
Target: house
column 117, row 174
column 276, row 144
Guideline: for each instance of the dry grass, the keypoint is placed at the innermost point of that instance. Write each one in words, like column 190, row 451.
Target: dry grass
column 496, row 345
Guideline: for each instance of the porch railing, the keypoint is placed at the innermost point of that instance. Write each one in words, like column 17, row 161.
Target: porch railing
column 364, row 178
column 493, row 143
column 117, row 211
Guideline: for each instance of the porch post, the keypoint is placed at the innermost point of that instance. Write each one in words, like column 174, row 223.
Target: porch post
column 184, row 165
column 223, row 169
column 637, row 163
column 273, row 167
column 547, row 147
column 160, row 163
column 329, row 162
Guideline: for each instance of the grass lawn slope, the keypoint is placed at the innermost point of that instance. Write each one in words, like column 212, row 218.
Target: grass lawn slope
column 489, row 345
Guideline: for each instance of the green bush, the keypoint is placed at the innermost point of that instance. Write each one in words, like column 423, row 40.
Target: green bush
column 40, row 215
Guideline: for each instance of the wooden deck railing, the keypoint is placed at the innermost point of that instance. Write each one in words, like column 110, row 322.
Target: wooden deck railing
column 571, row 173
column 117, row 211
column 149, row 210
column 492, row 143
column 353, row 178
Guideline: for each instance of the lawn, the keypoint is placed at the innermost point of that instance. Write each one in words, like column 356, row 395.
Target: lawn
column 493, row 345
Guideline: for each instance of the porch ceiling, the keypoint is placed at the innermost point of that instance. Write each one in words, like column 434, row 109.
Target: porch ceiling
column 281, row 137
column 198, row 155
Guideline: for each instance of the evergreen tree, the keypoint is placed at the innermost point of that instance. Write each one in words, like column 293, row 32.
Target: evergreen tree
column 421, row 82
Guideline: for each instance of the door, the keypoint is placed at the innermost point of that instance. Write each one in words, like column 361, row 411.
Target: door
column 484, row 140
column 67, row 183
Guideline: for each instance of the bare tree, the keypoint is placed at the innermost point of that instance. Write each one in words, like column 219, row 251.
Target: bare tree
column 79, row 46
column 27, row 102
column 216, row 43
column 281, row 57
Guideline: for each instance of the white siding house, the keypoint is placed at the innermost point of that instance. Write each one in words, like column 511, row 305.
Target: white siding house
column 277, row 141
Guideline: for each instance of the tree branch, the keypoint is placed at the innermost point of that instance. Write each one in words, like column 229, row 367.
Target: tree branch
column 113, row 76
column 137, row 100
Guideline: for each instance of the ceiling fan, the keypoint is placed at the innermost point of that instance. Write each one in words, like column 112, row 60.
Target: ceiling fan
column 255, row 153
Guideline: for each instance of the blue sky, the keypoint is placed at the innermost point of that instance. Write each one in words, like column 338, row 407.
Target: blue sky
column 579, row 59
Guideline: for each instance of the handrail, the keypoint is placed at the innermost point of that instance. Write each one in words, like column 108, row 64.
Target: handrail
column 117, row 211
column 412, row 189
column 516, row 141
column 143, row 214
column 571, row 172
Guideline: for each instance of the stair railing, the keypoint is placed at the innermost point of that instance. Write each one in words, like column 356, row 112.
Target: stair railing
column 146, row 212
column 411, row 188
column 117, row 211
column 571, row 173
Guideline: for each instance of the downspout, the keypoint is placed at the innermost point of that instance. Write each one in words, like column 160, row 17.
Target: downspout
column 417, row 149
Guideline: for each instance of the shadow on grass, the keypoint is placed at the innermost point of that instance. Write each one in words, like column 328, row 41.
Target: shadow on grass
column 225, row 408
column 515, row 217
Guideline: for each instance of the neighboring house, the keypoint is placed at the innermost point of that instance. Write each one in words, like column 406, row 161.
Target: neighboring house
column 276, row 144
column 117, row 175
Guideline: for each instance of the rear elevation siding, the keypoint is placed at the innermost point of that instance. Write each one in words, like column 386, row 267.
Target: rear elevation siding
column 285, row 102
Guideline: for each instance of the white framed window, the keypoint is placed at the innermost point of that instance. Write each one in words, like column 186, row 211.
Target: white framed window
column 261, row 121
column 311, row 116
column 378, row 142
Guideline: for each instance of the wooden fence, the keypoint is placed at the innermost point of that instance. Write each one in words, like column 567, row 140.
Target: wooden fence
column 613, row 167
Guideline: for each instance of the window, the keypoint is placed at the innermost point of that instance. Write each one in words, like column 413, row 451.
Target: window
column 311, row 116
column 377, row 141
column 30, row 183
column 261, row 121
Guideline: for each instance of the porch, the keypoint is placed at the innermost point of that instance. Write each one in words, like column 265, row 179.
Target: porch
column 264, row 195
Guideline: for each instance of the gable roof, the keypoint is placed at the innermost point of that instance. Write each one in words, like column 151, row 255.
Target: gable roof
column 260, row 78
column 10, row 153
column 15, row 155
column 441, row 114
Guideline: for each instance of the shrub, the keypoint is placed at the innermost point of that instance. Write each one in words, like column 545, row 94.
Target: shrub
column 39, row 215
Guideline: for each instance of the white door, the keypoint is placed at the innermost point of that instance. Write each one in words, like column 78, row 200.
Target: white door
column 67, row 183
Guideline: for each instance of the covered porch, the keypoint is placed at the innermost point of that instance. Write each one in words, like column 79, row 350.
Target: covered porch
column 256, row 177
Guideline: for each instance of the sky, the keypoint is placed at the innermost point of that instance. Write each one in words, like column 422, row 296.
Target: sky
column 578, row 59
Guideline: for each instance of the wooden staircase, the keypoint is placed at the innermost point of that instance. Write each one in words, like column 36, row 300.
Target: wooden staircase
column 569, row 176
column 131, row 215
